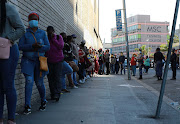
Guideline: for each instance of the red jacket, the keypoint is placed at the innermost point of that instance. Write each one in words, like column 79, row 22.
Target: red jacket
column 133, row 61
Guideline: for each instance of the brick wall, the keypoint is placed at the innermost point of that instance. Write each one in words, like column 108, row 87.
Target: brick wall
column 63, row 16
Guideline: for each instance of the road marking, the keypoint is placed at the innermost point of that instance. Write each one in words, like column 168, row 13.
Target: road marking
column 127, row 85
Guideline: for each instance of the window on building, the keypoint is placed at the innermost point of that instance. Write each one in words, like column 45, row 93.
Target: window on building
column 139, row 36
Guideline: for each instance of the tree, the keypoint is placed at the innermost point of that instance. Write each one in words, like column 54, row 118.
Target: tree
column 144, row 49
column 164, row 47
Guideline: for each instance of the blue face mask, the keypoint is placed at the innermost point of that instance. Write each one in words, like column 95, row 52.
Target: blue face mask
column 33, row 23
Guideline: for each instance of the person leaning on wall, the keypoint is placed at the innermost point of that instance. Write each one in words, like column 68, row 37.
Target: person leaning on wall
column 11, row 28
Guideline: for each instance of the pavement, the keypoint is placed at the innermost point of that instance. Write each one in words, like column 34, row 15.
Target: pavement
column 106, row 99
column 172, row 90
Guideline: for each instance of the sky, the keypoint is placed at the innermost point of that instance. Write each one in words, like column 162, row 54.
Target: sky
column 160, row 10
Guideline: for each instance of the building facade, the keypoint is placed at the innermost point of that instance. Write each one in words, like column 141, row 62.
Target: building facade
column 80, row 17
column 141, row 31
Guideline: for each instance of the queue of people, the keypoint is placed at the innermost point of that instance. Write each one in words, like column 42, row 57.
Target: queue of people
column 65, row 58
column 44, row 53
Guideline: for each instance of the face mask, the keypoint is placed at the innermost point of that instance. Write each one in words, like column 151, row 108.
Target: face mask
column 33, row 23
column 140, row 52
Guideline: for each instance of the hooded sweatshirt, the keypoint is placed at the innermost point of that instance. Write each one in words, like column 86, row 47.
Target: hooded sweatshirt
column 55, row 54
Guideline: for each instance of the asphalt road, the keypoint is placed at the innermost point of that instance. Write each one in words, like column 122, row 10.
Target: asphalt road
column 104, row 100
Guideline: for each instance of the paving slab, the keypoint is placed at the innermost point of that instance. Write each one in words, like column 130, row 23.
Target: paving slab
column 106, row 99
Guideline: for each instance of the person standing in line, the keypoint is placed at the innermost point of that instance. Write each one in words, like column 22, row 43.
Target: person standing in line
column 117, row 65
column 158, row 57
column 113, row 62
column 173, row 64
column 11, row 28
column 55, row 59
column 147, row 64
column 34, row 43
column 140, row 58
column 133, row 64
column 100, row 61
column 122, row 60
column 106, row 57
column 75, row 57
column 81, row 64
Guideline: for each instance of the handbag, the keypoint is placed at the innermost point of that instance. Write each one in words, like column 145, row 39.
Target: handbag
column 73, row 66
column 4, row 48
column 42, row 60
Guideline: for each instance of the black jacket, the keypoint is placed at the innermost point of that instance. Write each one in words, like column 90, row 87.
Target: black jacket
column 67, row 51
column 122, row 59
column 173, row 59
column 158, row 56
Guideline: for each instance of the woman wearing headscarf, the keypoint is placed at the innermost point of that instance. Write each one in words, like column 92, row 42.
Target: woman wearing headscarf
column 11, row 28
column 34, row 43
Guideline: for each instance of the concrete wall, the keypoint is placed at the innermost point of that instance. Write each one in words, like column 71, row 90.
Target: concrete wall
column 70, row 16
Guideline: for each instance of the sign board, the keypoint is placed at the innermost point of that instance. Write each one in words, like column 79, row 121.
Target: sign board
column 118, row 20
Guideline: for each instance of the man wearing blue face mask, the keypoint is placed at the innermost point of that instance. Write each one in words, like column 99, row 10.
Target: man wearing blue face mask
column 34, row 43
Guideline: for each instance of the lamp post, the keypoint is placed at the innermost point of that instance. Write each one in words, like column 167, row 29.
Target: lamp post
column 126, row 37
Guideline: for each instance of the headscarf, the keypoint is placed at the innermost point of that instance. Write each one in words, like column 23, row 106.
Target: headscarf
column 33, row 13
column 3, row 15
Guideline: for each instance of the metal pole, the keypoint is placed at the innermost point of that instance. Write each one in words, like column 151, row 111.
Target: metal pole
column 126, row 37
column 167, row 62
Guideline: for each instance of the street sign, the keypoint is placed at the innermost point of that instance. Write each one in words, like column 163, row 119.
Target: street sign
column 118, row 20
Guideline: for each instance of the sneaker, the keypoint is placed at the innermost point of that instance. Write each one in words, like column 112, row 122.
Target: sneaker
column 78, row 85
column 65, row 90
column 88, row 77
column 10, row 122
column 43, row 106
column 74, row 87
column 81, row 82
column 84, row 80
column 27, row 110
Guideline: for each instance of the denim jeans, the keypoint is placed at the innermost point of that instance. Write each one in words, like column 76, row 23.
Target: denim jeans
column 81, row 71
column 7, row 75
column 133, row 69
column 140, row 69
column 74, row 73
column 112, row 68
column 117, row 68
column 159, row 69
column 123, row 68
column 39, row 81
column 66, row 69
column 54, row 78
